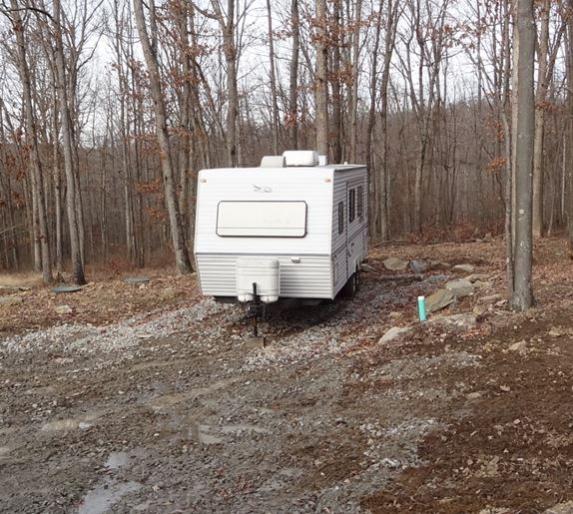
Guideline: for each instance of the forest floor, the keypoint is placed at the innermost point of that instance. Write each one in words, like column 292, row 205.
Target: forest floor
column 150, row 398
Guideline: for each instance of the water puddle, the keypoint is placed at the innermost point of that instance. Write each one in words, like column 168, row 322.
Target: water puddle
column 103, row 497
column 164, row 402
column 82, row 423
column 204, row 435
column 211, row 434
column 117, row 460
column 237, row 429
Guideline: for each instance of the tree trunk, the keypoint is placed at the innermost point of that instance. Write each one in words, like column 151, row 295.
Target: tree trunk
column 57, row 188
column 177, row 234
column 71, row 200
column 537, row 214
column 231, row 62
column 39, row 216
column 355, row 78
column 384, row 178
column 292, row 121
column 514, row 112
column 334, row 75
column 321, row 79
column 374, row 188
column 523, row 294
column 185, row 116
column 569, row 146
column 274, row 104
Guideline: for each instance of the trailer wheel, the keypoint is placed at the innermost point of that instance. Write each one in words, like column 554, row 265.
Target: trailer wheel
column 351, row 287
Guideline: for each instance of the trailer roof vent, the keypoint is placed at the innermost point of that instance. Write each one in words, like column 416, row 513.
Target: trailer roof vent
column 273, row 161
column 301, row 158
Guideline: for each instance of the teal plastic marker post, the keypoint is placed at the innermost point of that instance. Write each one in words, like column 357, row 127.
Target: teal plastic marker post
column 422, row 308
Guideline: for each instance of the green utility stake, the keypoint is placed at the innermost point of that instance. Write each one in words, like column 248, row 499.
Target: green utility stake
column 422, row 308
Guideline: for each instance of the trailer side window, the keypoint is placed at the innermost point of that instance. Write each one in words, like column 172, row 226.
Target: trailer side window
column 340, row 217
column 351, row 205
column 360, row 204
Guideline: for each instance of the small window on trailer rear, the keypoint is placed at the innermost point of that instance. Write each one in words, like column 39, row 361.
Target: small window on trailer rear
column 340, row 217
column 261, row 219
column 360, row 203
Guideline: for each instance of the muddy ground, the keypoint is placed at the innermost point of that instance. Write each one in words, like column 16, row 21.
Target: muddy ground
column 149, row 398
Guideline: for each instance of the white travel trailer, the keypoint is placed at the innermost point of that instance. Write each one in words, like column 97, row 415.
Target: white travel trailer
column 291, row 228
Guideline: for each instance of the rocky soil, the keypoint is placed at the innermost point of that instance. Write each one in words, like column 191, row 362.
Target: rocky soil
column 150, row 398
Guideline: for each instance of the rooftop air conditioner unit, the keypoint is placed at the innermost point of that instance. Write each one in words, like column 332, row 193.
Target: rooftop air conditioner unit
column 299, row 158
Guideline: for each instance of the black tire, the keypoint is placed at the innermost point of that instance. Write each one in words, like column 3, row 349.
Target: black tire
column 351, row 287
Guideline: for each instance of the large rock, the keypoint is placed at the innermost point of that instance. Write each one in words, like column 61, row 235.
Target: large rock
column 561, row 508
column 394, row 333
column 13, row 289
column 436, row 279
column 464, row 320
column 439, row 265
column 64, row 309
column 419, row 266
column 493, row 298
column 519, row 347
column 464, row 268
column 10, row 300
column 439, row 300
column 460, row 287
column 395, row 264
column 478, row 277
column 136, row 280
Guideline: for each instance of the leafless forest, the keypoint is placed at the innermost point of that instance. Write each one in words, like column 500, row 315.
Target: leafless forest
column 108, row 109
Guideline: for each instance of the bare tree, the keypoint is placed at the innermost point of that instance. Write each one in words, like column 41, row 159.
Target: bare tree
column 273, row 80
column 321, row 78
column 292, row 120
column 383, row 192
column 68, row 142
column 40, row 219
column 523, row 294
column 150, row 53
column 356, row 46
column 547, row 54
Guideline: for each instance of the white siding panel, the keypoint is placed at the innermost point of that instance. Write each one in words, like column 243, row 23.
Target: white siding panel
column 357, row 230
column 313, row 186
column 311, row 278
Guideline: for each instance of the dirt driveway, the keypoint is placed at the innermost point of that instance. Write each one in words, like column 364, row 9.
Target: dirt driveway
column 174, row 409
